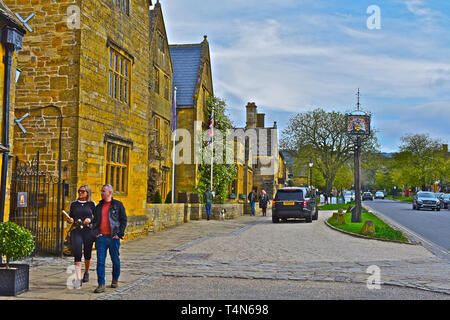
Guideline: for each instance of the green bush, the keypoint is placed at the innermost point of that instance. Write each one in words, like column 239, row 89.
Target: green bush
column 157, row 197
column 169, row 197
column 15, row 242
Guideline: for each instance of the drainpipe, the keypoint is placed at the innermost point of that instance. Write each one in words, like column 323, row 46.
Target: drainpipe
column 12, row 41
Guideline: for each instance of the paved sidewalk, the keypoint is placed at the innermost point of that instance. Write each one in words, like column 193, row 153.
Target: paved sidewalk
column 247, row 248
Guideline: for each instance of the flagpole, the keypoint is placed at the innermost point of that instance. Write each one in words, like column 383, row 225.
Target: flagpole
column 174, row 135
column 212, row 147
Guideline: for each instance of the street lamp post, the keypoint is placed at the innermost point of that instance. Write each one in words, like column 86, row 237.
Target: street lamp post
column 310, row 172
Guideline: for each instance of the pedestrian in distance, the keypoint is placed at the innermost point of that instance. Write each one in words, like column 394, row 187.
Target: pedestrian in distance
column 253, row 197
column 81, row 213
column 207, row 200
column 110, row 221
column 263, row 201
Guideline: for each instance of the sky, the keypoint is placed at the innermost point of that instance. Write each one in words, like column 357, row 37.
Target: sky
column 293, row 56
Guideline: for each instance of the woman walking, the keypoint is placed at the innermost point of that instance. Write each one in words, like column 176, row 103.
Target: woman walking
column 263, row 200
column 81, row 214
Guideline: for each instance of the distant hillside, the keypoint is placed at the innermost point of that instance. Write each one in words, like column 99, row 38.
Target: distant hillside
column 387, row 154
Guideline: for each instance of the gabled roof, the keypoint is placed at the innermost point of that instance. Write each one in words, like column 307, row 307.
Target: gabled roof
column 185, row 62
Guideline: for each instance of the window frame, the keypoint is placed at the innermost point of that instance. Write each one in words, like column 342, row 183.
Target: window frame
column 117, row 173
column 123, row 5
column 157, row 81
column 119, row 76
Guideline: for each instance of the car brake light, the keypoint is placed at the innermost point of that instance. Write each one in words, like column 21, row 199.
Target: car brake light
column 274, row 203
column 305, row 203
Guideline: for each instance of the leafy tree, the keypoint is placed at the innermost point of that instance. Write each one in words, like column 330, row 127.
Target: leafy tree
column 420, row 161
column 322, row 136
column 223, row 174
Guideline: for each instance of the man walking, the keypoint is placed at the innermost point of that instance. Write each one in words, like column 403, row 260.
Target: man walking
column 253, row 197
column 110, row 221
column 208, row 199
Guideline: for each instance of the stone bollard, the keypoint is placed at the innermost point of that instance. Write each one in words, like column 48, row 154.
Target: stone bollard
column 368, row 228
column 340, row 218
column 334, row 216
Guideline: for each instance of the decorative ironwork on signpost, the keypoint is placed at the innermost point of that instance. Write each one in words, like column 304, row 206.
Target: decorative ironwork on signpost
column 358, row 125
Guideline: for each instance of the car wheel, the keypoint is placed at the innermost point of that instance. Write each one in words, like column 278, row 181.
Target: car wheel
column 414, row 207
column 316, row 215
column 309, row 217
column 438, row 209
column 275, row 220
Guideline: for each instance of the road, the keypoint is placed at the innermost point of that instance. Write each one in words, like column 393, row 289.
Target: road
column 430, row 225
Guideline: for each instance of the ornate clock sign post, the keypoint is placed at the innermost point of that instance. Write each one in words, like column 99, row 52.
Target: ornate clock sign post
column 358, row 125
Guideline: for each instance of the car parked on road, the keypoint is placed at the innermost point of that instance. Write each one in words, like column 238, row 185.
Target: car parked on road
column 379, row 195
column 367, row 196
column 294, row 202
column 445, row 200
column 426, row 199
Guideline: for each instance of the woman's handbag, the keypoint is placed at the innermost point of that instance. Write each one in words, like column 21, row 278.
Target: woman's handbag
column 68, row 248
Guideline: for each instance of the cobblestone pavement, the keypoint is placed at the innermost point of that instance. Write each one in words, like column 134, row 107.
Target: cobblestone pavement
column 251, row 249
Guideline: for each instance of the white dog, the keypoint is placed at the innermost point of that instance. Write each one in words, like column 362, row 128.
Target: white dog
column 222, row 214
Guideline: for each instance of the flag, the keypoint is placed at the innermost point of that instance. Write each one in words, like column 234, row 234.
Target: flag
column 211, row 126
column 174, row 110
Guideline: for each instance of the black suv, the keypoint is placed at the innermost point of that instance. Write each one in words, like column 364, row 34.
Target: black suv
column 294, row 202
column 426, row 200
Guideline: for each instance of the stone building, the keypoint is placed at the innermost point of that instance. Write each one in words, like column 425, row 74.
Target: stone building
column 91, row 59
column 193, row 80
column 160, row 102
column 12, row 32
column 262, row 151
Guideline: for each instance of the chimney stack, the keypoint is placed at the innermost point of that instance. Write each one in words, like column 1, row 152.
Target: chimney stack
column 251, row 115
column 260, row 120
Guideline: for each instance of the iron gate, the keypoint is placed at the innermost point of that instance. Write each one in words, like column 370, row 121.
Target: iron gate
column 37, row 201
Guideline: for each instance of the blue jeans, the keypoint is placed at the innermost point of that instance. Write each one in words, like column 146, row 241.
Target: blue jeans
column 208, row 209
column 102, row 245
column 253, row 207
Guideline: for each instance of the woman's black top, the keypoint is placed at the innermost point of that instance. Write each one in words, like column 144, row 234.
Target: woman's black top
column 82, row 210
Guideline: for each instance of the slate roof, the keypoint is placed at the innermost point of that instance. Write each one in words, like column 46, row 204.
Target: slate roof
column 185, row 63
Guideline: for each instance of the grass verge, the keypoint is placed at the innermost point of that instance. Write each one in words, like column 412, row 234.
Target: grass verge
column 401, row 198
column 336, row 206
column 382, row 229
